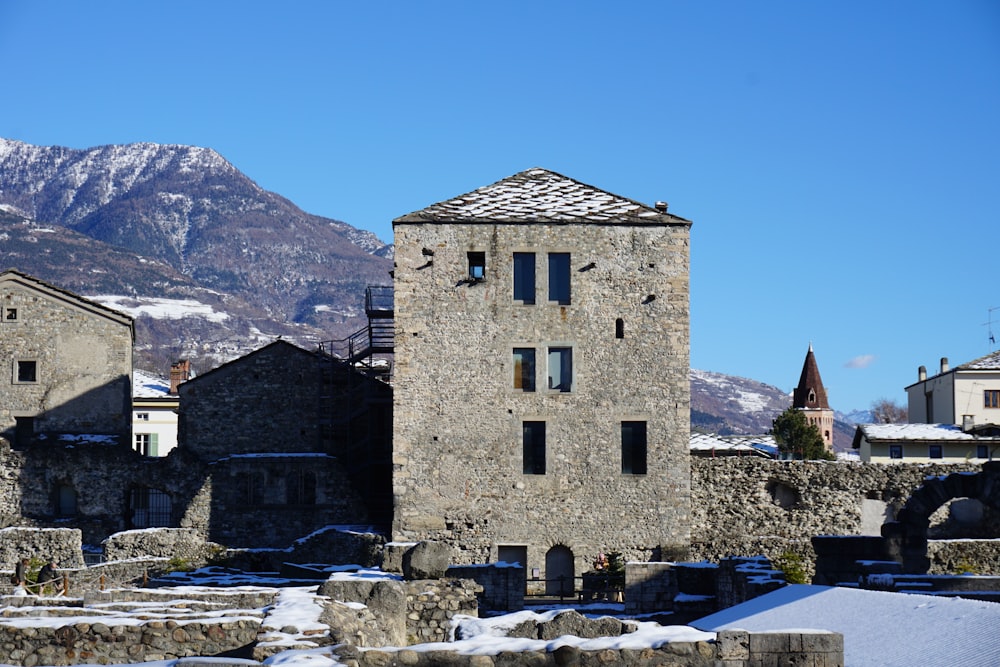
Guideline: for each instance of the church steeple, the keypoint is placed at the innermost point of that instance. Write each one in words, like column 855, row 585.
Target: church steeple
column 810, row 393
column 810, row 397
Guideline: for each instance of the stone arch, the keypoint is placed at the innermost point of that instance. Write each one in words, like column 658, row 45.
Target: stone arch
column 560, row 573
column 907, row 536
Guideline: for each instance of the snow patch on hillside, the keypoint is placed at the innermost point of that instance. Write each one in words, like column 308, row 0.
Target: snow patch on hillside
column 160, row 309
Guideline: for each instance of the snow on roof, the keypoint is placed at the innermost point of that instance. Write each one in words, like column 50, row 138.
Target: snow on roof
column 540, row 195
column 705, row 442
column 880, row 628
column 149, row 385
column 933, row 432
column 991, row 362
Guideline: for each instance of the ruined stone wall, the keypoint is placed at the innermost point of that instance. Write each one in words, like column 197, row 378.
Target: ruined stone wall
column 458, row 418
column 750, row 506
column 83, row 361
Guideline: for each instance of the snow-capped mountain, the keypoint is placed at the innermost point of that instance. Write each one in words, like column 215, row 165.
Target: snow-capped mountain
column 156, row 216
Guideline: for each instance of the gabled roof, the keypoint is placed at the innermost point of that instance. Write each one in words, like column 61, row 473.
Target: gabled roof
column 540, row 195
column 991, row 362
column 58, row 294
column 810, row 380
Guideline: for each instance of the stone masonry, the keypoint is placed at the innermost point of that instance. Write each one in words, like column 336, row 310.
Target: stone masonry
column 461, row 404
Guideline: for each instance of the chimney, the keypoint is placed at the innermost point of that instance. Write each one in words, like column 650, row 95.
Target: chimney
column 661, row 206
column 944, row 364
column 180, row 371
column 968, row 421
column 921, row 373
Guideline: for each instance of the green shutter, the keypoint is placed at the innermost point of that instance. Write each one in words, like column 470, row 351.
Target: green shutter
column 152, row 444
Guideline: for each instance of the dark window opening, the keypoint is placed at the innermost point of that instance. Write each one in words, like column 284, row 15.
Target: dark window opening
column 10, row 314
column 895, row 451
column 24, row 431
column 560, row 369
column 524, row 368
column 146, row 444
column 982, row 452
column 65, row 501
column 300, row 488
column 477, row 265
column 524, row 277
column 634, row 448
column 27, row 371
column 559, row 288
column 934, row 451
column 619, row 328
column 534, row 448
column 150, row 508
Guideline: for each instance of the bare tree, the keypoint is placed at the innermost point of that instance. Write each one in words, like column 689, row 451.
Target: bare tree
column 888, row 411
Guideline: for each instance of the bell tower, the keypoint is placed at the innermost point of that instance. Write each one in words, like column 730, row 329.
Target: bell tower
column 810, row 397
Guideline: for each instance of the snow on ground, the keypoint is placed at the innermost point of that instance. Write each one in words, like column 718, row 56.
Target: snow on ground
column 880, row 629
column 160, row 309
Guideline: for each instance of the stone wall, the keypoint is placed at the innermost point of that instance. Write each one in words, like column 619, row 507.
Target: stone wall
column 750, row 506
column 60, row 544
column 97, row 643
column 734, row 648
column 502, row 585
column 458, row 420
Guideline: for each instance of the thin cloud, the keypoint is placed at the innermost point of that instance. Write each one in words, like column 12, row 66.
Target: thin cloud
column 861, row 361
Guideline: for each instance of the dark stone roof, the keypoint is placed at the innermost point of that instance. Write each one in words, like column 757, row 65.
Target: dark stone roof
column 810, row 394
column 539, row 195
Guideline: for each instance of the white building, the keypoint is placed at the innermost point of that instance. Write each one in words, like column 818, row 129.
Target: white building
column 926, row 443
column 967, row 395
column 154, row 410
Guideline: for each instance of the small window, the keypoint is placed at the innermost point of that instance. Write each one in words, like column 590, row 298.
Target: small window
column 633, row 448
column 142, row 416
column 10, row 314
column 895, row 451
column 533, row 444
column 982, row 452
column 27, row 371
column 560, row 371
column 619, row 328
column 559, row 277
column 300, row 488
column 524, row 277
column 477, row 266
column 934, row 451
column 524, row 368
column 991, row 398
column 145, row 444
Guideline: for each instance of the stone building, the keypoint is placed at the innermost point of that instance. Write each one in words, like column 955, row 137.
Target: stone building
column 67, row 364
column 810, row 397
column 542, row 402
column 286, row 434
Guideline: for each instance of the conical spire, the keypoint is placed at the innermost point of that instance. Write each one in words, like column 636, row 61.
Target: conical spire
column 810, row 394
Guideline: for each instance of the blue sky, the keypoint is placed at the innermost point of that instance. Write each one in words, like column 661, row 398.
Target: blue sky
column 840, row 160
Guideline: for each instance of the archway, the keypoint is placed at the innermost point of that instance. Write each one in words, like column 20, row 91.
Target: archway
column 907, row 536
column 559, row 571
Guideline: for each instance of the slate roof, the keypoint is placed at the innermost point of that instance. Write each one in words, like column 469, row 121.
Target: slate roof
column 991, row 362
column 540, row 195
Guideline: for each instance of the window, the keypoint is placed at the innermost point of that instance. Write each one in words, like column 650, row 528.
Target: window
column 633, row 448
column 300, row 488
column 524, row 277
column 934, row 451
column 10, row 314
column 149, row 508
column 560, row 372
column 895, row 451
column 145, row 444
column 982, row 452
column 142, row 416
column 991, row 398
column 524, row 368
column 619, row 328
column 559, row 277
column 27, row 371
column 534, row 448
column 477, row 266
column 65, row 501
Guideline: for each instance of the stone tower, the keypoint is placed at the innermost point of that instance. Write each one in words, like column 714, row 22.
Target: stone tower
column 810, row 397
column 542, row 402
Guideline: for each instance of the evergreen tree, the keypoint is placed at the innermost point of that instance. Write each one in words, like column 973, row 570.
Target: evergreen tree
column 797, row 437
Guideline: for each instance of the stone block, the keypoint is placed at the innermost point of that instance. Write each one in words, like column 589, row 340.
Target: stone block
column 427, row 560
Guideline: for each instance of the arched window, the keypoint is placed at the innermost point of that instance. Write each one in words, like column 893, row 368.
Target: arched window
column 559, row 571
column 149, row 508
